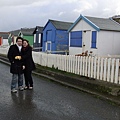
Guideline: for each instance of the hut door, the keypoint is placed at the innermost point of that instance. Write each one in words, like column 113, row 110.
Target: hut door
column 48, row 46
column 0, row 40
column 86, row 41
column 49, row 39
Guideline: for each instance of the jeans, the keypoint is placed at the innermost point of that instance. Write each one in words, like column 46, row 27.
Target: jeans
column 16, row 78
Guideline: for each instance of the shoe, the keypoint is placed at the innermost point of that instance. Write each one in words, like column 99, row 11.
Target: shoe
column 26, row 87
column 14, row 91
column 21, row 88
column 30, row 88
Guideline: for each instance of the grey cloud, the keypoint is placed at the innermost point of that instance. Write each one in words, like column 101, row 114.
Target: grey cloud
column 30, row 13
column 4, row 3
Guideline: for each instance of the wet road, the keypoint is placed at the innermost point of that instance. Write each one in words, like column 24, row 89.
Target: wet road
column 50, row 101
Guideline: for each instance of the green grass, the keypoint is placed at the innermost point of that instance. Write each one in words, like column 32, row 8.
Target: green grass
column 53, row 69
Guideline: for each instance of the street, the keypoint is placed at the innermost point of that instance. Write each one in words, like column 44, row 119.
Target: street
column 51, row 101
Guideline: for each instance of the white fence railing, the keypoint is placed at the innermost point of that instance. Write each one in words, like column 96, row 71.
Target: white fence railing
column 4, row 50
column 106, row 69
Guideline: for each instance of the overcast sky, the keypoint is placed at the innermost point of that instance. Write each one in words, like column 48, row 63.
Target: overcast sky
column 16, row 14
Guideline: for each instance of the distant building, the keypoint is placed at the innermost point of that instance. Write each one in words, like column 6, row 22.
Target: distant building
column 27, row 33
column 38, row 35
column 116, row 18
column 12, row 36
column 55, row 37
column 100, row 36
column 4, row 38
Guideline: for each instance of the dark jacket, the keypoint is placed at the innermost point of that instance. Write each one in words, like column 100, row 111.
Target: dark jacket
column 27, row 58
column 16, row 65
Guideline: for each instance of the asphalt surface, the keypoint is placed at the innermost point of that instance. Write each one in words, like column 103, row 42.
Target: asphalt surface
column 51, row 101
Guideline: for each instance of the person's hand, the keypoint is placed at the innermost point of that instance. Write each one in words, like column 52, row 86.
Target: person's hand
column 18, row 57
column 23, row 67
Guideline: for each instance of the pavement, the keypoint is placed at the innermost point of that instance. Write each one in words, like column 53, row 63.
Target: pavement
column 98, row 88
column 51, row 101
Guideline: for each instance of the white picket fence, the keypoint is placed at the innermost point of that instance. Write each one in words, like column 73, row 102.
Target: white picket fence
column 106, row 69
column 4, row 50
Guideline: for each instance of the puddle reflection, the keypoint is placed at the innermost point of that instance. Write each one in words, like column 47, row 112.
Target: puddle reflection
column 23, row 98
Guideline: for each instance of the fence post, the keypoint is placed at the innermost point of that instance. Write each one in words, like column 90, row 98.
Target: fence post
column 105, row 69
column 83, row 64
column 101, row 70
column 91, row 67
column 89, row 60
column 86, row 66
column 80, row 65
column 73, row 64
column 117, row 72
column 108, row 72
column 112, row 70
column 69, row 63
column 76, row 64
column 78, row 72
column 95, row 62
column 98, row 68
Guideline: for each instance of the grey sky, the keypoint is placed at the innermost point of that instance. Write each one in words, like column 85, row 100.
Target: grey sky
column 16, row 14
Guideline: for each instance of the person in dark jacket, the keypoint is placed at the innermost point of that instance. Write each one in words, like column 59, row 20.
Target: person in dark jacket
column 29, row 64
column 16, row 68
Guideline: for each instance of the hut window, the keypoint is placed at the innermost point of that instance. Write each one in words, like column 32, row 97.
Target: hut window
column 76, row 39
column 94, row 37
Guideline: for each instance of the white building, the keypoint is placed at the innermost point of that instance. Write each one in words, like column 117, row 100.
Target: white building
column 4, row 38
column 101, row 36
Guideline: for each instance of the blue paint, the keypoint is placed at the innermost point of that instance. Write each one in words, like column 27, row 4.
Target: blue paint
column 76, row 39
column 58, row 38
column 94, row 37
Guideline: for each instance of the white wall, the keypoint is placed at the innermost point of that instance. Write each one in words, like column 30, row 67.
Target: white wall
column 5, row 42
column 75, row 50
column 82, row 25
column 4, row 50
column 108, row 43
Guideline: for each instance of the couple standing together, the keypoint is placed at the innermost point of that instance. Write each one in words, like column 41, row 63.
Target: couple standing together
column 20, row 57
